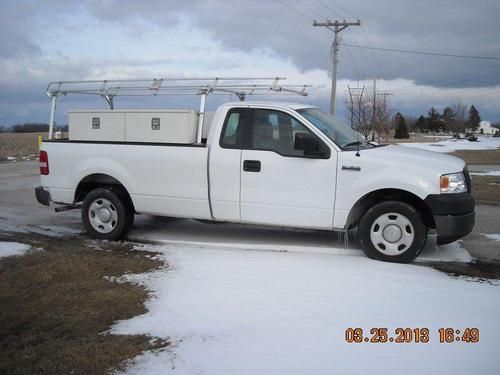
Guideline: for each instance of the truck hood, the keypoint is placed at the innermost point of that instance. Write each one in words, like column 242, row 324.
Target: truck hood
column 416, row 159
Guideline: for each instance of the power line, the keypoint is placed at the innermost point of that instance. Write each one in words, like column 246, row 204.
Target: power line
column 310, row 9
column 368, row 61
column 295, row 10
column 424, row 52
column 374, row 55
column 330, row 9
column 344, row 9
column 336, row 27
column 354, row 65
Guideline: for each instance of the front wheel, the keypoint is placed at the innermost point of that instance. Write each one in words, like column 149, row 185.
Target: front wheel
column 393, row 232
column 106, row 214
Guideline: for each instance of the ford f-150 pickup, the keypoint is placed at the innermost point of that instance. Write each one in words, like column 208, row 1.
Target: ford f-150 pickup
column 267, row 163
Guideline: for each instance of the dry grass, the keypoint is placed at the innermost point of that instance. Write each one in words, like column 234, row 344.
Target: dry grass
column 486, row 189
column 478, row 270
column 479, row 156
column 56, row 304
column 19, row 144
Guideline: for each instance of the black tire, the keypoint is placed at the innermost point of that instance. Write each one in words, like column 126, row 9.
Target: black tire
column 107, row 214
column 129, row 207
column 382, row 225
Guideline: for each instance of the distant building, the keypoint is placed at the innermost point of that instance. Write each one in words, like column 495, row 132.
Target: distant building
column 486, row 128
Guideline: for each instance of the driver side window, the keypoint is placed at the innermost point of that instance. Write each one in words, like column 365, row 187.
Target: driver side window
column 276, row 131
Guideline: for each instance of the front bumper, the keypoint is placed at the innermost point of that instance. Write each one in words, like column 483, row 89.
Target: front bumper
column 450, row 228
column 42, row 196
column 453, row 214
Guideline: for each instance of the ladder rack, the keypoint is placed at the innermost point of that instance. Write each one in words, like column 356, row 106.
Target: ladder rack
column 109, row 89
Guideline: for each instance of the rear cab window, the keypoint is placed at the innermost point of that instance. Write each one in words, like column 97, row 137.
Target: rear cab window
column 236, row 124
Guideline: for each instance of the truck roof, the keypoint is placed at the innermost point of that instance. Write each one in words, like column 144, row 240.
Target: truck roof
column 288, row 105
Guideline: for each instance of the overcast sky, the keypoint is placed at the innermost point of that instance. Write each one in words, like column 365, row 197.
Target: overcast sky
column 47, row 40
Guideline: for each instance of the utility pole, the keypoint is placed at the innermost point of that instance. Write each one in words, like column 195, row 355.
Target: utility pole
column 383, row 122
column 336, row 27
column 385, row 95
column 374, row 114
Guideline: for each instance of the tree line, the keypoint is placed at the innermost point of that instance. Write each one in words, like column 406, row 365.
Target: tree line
column 377, row 119
column 456, row 119
column 31, row 127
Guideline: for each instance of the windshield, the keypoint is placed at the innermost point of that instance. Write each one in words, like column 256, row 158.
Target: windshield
column 342, row 135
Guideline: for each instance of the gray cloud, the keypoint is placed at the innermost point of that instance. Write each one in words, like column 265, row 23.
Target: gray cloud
column 452, row 26
column 448, row 26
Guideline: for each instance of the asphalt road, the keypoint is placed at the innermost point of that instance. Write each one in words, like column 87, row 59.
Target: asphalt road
column 19, row 209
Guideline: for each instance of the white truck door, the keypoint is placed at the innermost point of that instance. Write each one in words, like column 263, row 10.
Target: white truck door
column 224, row 165
column 281, row 186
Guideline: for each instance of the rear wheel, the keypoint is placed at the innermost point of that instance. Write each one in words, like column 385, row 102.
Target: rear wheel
column 106, row 214
column 393, row 232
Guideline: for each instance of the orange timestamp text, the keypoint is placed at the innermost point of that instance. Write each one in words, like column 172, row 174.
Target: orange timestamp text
column 381, row 335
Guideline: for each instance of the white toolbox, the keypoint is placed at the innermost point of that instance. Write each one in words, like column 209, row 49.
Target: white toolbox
column 154, row 126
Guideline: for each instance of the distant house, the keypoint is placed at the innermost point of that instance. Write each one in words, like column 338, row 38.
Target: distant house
column 486, row 128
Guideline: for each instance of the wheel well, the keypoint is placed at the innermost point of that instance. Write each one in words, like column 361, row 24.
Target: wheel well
column 98, row 180
column 374, row 197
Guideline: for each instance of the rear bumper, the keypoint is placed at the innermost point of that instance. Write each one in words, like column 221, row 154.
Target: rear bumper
column 453, row 214
column 42, row 196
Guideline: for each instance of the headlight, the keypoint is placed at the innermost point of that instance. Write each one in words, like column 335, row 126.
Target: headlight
column 453, row 183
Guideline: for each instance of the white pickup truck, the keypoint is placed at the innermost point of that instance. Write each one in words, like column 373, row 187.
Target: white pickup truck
column 267, row 163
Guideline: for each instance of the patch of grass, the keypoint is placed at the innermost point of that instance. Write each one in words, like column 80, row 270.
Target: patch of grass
column 56, row 305
column 19, row 144
column 486, row 189
column 482, row 271
column 479, row 156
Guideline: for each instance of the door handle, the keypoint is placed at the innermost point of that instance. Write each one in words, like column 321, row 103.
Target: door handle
column 251, row 165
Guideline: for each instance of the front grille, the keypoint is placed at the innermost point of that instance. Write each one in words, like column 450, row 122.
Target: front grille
column 467, row 179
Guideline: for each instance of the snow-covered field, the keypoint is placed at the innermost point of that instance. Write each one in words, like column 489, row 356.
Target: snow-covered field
column 8, row 249
column 450, row 145
column 240, row 311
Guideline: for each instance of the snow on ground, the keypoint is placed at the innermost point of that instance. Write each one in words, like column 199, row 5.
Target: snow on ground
column 435, row 136
column 8, row 249
column 450, row 145
column 238, row 311
column 491, row 173
column 495, row 237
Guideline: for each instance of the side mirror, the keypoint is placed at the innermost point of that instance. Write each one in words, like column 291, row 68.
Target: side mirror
column 310, row 145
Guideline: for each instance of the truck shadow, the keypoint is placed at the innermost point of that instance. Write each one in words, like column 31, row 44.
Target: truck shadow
column 253, row 237
column 153, row 228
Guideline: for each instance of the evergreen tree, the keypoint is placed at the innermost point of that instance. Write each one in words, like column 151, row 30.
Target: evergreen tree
column 434, row 120
column 448, row 118
column 421, row 124
column 401, row 127
column 474, row 118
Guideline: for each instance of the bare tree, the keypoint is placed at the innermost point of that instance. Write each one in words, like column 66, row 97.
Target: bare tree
column 359, row 114
column 383, row 121
column 457, row 124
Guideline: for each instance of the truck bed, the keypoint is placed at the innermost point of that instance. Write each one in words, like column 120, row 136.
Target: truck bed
column 163, row 179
